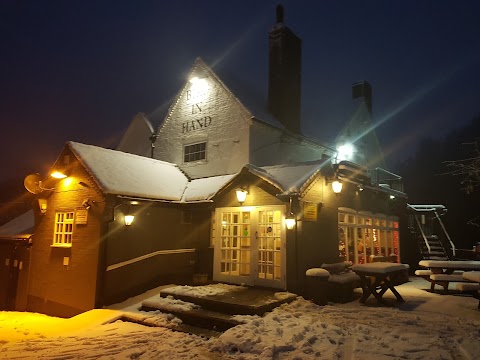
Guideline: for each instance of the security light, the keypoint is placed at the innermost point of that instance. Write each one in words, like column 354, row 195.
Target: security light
column 58, row 175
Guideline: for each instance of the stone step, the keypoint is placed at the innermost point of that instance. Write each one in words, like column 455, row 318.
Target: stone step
column 198, row 318
column 247, row 301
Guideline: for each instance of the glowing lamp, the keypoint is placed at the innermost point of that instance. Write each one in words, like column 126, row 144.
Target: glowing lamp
column 58, row 175
column 290, row 221
column 345, row 152
column 129, row 219
column 241, row 195
column 337, row 186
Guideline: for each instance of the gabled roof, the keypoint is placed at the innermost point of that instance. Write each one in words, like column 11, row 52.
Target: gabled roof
column 289, row 179
column 136, row 139
column 128, row 175
column 205, row 188
column 19, row 228
column 254, row 103
column 295, row 177
column 120, row 173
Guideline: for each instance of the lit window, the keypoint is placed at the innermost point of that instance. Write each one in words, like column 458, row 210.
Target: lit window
column 362, row 239
column 62, row 235
column 195, row 152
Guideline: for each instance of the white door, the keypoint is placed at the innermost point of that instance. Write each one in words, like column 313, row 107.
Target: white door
column 250, row 246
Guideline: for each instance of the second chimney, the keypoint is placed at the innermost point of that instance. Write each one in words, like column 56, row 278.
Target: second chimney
column 363, row 91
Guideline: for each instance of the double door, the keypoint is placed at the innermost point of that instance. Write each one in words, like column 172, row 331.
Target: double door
column 250, row 246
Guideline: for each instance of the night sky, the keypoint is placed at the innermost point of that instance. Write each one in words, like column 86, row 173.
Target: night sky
column 80, row 70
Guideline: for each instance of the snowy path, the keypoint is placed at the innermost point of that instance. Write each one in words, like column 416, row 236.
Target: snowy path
column 427, row 326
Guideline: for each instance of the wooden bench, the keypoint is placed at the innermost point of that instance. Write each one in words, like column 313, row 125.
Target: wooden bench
column 444, row 280
column 474, row 278
column 341, row 282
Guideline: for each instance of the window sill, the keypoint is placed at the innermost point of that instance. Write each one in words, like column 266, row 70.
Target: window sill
column 61, row 245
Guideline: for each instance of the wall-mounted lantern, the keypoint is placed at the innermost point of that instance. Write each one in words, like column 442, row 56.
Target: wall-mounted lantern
column 290, row 221
column 129, row 219
column 241, row 195
column 337, row 186
column 42, row 205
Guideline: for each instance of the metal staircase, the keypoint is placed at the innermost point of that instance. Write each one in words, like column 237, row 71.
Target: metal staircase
column 432, row 237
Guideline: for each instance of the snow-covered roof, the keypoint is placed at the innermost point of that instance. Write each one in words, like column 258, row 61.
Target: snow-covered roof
column 120, row 173
column 19, row 228
column 293, row 177
column 205, row 188
column 125, row 174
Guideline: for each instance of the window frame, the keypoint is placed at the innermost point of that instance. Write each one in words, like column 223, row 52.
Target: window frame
column 194, row 152
column 63, row 230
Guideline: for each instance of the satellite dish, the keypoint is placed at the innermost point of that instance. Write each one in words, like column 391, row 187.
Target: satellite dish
column 32, row 183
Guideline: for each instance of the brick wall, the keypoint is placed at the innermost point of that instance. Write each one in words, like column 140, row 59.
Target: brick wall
column 56, row 288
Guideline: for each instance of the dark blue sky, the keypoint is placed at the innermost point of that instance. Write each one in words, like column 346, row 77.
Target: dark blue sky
column 80, row 70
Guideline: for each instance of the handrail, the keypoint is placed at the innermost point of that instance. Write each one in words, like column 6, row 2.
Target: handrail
column 446, row 233
column 423, row 234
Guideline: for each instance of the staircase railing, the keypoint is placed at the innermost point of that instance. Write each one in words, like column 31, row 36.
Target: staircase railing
column 423, row 234
column 434, row 209
column 446, row 233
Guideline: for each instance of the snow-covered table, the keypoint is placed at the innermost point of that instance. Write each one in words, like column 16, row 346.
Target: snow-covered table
column 378, row 277
column 443, row 272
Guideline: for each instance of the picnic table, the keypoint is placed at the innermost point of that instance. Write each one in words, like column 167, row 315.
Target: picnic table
column 449, row 266
column 443, row 272
column 378, row 277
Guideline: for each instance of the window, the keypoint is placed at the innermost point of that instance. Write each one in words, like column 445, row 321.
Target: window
column 363, row 237
column 62, row 235
column 194, row 152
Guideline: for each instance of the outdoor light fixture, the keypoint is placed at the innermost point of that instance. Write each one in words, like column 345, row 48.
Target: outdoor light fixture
column 42, row 205
column 337, row 186
column 241, row 195
column 392, row 197
column 129, row 219
column 58, row 175
column 345, row 152
column 290, row 221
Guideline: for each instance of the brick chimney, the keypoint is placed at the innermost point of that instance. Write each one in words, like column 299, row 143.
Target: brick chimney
column 363, row 92
column 284, row 76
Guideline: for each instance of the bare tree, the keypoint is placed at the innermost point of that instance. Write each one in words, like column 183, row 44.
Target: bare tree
column 468, row 169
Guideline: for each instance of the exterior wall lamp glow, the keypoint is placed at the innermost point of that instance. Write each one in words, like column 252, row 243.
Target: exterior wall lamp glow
column 241, row 195
column 129, row 219
column 290, row 221
column 337, row 186
column 58, row 175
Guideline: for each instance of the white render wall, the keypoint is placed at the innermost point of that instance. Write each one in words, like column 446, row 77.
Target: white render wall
column 206, row 111
column 271, row 146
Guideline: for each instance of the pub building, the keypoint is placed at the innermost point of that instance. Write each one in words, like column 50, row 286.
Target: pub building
column 224, row 188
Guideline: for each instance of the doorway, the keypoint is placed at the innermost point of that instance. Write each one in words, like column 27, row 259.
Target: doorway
column 250, row 246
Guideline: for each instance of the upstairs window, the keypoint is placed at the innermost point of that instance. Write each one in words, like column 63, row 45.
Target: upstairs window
column 63, row 228
column 195, row 152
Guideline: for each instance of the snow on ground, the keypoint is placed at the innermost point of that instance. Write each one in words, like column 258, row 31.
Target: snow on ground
column 426, row 326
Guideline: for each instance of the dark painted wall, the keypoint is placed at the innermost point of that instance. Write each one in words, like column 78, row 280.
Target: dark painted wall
column 132, row 264
column 54, row 288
